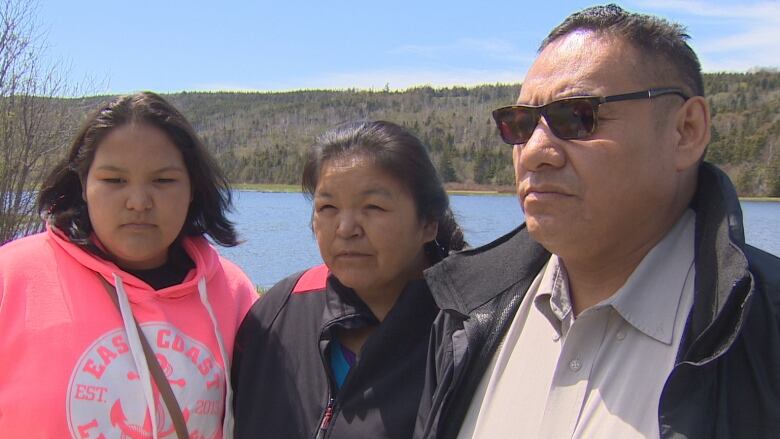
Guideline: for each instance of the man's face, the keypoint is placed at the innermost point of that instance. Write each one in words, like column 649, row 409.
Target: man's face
column 584, row 199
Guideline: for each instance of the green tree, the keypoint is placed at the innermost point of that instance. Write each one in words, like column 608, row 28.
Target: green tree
column 446, row 168
column 33, row 125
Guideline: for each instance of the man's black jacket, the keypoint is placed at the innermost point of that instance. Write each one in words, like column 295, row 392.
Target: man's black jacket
column 726, row 379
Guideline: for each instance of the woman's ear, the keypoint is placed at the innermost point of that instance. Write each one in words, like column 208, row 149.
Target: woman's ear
column 430, row 230
column 693, row 129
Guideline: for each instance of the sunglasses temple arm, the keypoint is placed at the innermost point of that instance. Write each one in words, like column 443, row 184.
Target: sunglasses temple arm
column 647, row 94
column 655, row 92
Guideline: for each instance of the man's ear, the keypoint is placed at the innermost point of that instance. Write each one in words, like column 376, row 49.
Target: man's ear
column 693, row 130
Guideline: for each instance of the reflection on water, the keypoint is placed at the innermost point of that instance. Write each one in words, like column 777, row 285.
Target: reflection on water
column 278, row 240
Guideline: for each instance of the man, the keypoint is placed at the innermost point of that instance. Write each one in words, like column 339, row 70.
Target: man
column 628, row 304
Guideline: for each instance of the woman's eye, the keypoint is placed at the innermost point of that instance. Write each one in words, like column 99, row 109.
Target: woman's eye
column 112, row 180
column 325, row 207
column 375, row 207
column 165, row 180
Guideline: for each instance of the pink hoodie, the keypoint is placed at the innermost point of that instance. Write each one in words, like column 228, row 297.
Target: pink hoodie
column 72, row 366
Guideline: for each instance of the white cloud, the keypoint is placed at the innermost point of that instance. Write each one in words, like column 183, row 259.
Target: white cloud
column 748, row 34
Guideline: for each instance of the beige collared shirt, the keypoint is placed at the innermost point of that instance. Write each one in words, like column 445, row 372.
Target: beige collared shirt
column 601, row 374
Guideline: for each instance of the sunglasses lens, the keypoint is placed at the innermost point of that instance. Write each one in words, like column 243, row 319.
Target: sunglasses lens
column 515, row 123
column 571, row 119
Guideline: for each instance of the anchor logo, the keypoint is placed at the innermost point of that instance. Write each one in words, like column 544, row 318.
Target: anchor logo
column 105, row 397
column 144, row 431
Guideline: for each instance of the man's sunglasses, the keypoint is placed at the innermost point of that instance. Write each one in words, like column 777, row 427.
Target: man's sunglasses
column 569, row 118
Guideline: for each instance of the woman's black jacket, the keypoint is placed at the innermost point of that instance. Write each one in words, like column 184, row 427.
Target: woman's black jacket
column 281, row 375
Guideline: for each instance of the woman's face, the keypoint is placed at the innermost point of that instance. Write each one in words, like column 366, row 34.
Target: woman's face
column 367, row 227
column 137, row 192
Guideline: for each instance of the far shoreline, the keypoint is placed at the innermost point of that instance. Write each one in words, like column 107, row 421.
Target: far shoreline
column 452, row 189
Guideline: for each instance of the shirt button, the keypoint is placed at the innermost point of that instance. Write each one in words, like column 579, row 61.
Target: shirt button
column 575, row 365
column 621, row 335
column 556, row 337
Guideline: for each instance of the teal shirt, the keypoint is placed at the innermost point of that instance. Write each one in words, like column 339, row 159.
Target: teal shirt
column 339, row 364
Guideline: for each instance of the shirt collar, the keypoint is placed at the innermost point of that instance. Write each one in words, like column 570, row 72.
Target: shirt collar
column 551, row 297
column 650, row 298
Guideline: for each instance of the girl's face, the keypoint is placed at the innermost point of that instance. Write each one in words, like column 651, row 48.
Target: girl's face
column 367, row 227
column 137, row 192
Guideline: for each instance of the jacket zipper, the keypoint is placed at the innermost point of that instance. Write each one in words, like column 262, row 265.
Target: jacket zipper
column 330, row 408
column 327, row 416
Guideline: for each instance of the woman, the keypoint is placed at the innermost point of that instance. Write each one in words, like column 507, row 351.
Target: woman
column 119, row 319
column 342, row 347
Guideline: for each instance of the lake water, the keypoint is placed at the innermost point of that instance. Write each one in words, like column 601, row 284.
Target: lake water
column 278, row 240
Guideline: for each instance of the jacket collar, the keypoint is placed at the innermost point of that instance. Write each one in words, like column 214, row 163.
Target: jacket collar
column 468, row 279
column 412, row 313
column 344, row 307
column 723, row 286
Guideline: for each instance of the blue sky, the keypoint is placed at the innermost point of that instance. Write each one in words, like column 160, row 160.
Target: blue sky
column 170, row 46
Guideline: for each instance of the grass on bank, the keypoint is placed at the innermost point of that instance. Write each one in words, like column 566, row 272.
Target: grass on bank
column 770, row 199
column 268, row 187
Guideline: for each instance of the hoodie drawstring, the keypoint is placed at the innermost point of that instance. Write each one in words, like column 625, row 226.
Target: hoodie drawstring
column 136, row 350
column 227, row 422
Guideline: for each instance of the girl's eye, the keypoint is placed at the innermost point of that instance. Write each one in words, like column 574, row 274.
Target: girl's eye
column 375, row 207
column 165, row 180
column 112, row 180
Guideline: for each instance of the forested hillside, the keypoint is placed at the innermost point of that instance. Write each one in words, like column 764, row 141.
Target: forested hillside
column 262, row 137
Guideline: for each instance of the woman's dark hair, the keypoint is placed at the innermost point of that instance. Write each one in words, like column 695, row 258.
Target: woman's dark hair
column 400, row 154
column 60, row 200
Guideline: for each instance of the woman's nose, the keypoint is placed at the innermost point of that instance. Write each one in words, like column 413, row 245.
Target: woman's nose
column 348, row 225
column 139, row 199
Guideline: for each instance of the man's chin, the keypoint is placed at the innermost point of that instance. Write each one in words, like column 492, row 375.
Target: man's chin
column 547, row 230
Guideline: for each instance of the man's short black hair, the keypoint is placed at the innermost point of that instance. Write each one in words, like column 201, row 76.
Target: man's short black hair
column 662, row 42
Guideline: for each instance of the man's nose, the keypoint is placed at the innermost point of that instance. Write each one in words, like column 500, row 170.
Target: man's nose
column 542, row 150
